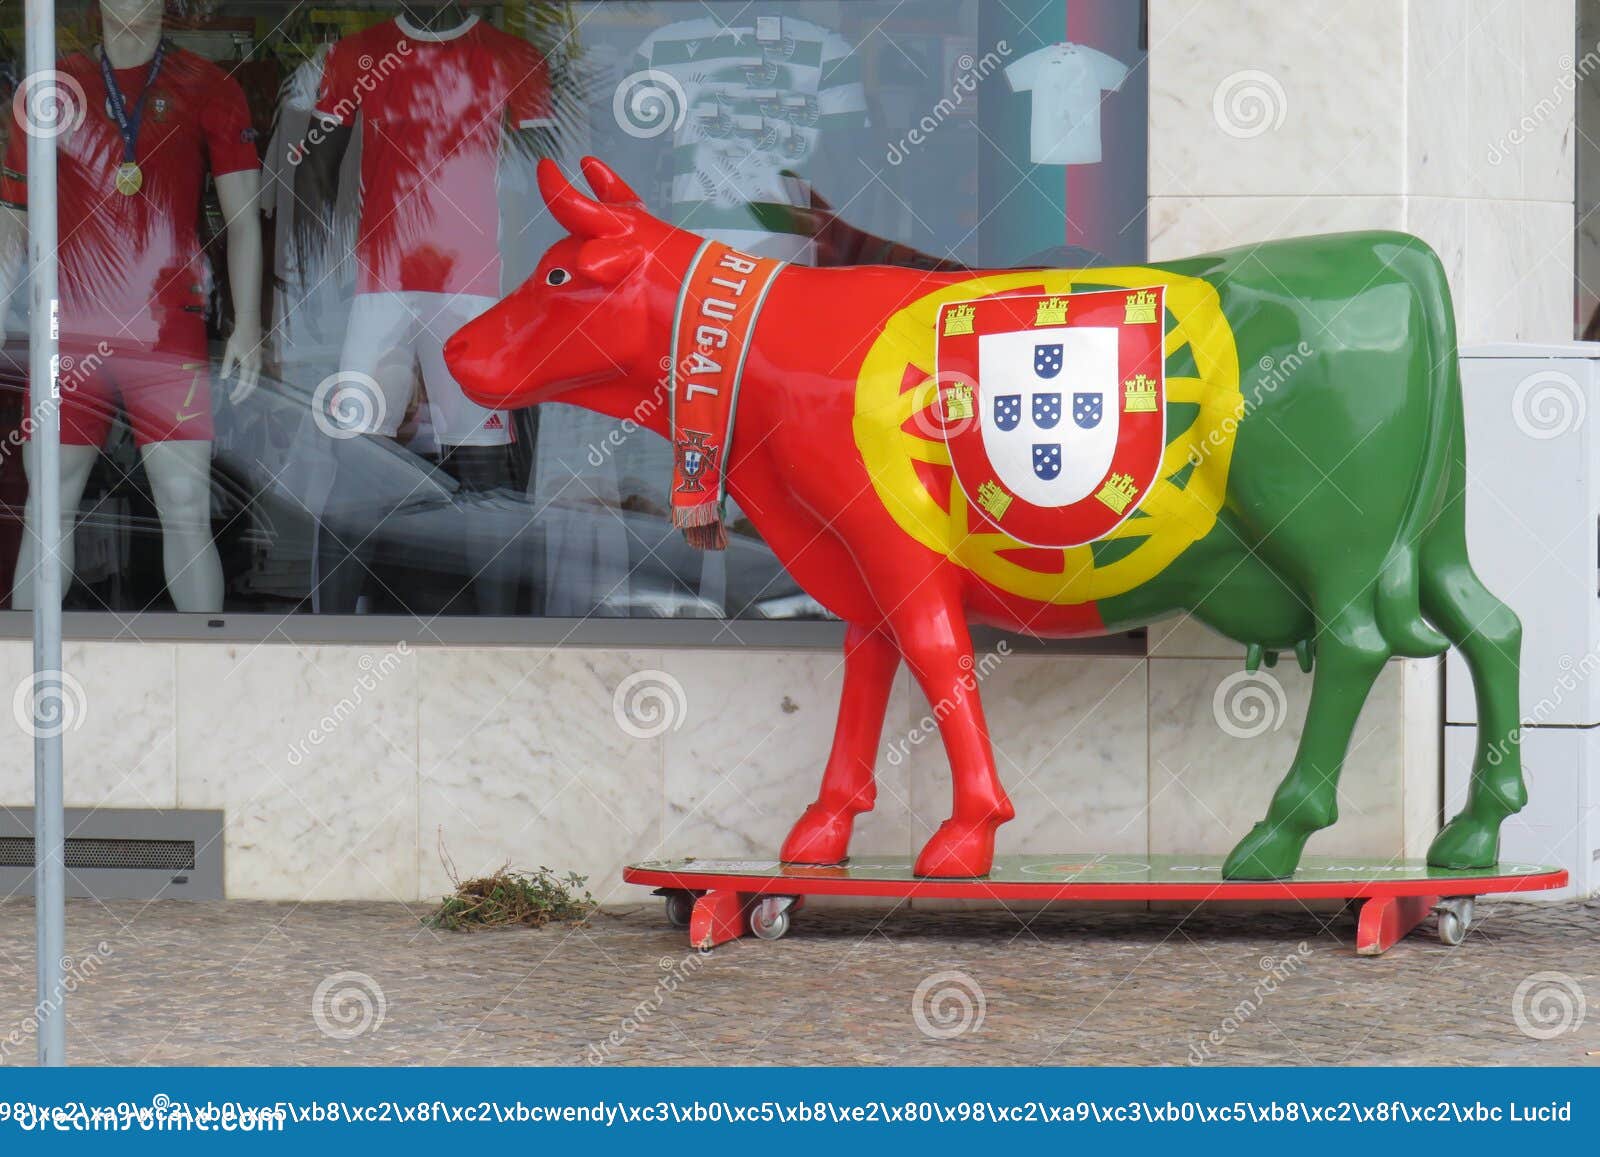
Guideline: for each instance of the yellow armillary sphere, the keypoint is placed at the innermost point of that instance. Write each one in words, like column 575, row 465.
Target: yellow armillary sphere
column 898, row 435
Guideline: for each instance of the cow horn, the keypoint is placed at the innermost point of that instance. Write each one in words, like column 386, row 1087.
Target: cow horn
column 608, row 187
column 580, row 216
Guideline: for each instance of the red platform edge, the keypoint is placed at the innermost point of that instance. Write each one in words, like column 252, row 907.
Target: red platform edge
column 982, row 887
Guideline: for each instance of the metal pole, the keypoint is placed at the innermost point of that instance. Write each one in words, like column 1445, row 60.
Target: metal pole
column 57, row 105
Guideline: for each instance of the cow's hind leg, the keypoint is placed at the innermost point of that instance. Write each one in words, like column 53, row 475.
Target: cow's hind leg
column 1351, row 651
column 1490, row 639
column 822, row 835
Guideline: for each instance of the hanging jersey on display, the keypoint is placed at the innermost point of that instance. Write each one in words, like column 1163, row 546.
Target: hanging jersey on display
column 1066, row 81
column 756, row 98
column 433, row 108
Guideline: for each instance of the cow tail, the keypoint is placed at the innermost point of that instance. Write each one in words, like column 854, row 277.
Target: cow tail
column 1398, row 606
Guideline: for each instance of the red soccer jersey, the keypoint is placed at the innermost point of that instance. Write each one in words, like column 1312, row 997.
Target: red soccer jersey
column 131, row 267
column 433, row 109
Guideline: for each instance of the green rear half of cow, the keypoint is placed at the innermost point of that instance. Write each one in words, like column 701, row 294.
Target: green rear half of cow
column 1342, row 534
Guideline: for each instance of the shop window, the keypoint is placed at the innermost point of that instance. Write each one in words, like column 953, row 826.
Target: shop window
column 343, row 471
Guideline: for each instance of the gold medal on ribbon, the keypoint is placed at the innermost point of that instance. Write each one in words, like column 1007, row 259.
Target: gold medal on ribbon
column 130, row 178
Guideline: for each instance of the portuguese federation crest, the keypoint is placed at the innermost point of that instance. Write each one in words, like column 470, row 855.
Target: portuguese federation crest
column 696, row 458
column 1054, row 409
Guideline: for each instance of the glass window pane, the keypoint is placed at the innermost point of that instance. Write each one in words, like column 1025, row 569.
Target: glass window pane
column 273, row 216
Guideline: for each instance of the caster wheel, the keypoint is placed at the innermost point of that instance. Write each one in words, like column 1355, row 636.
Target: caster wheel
column 769, row 919
column 1455, row 918
column 680, row 906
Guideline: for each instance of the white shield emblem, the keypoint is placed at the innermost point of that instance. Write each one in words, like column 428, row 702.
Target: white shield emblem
column 1038, row 457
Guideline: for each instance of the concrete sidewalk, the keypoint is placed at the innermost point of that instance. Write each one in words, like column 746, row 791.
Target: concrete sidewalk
column 236, row 983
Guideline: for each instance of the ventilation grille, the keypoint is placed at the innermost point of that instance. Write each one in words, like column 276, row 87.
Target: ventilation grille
column 157, row 855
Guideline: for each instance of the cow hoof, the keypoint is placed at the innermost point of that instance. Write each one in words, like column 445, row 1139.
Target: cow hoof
column 958, row 850
column 820, row 836
column 1267, row 853
column 1465, row 843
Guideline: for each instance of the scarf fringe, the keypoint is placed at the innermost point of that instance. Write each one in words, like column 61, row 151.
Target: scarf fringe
column 712, row 537
column 702, row 525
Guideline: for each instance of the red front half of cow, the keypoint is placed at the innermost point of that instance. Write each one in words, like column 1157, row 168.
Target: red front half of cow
column 1054, row 409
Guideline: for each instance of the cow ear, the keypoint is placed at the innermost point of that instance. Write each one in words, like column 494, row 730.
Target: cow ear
column 608, row 262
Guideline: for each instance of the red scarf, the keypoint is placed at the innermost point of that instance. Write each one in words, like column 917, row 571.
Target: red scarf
column 712, row 328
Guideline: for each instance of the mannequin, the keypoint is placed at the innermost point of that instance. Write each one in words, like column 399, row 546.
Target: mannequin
column 447, row 95
column 131, row 276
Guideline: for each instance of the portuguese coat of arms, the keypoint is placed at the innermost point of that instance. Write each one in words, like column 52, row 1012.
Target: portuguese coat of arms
column 1054, row 409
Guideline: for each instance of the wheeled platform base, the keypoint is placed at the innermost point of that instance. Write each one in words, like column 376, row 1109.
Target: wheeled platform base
column 723, row 914
column 722, row 900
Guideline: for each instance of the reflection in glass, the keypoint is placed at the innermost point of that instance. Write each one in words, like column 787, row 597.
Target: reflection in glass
column 318, row 457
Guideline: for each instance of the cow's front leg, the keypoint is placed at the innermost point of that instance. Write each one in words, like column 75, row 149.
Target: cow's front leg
column 938, row 649
column 1351, row 652
column 822, row 835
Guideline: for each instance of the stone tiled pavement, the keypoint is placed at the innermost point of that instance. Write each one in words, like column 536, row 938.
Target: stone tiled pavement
column 235, row 983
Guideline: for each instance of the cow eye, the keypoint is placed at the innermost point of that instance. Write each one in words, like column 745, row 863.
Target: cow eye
column 557, row 276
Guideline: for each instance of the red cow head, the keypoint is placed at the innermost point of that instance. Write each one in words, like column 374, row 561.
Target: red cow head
column 584, row 318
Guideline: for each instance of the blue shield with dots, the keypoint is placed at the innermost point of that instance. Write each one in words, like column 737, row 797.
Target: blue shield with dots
column 1047, row 360
column 1088, row 409
column 1047, row 460
column 1007, row 411
column 1046, row 410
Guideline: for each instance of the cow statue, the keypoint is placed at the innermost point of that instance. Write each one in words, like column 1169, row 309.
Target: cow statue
column 1269, row 438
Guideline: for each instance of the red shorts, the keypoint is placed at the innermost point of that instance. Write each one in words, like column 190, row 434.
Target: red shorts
column 164, row 391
